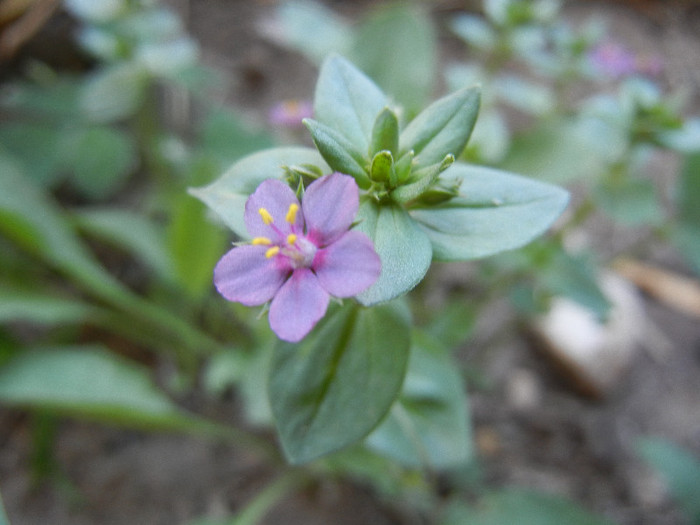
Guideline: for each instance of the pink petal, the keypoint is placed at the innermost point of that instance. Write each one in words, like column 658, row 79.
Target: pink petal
column 274, row 196
column 298, row 306
column 348, row 266
column 246, row 276
column 330, row 205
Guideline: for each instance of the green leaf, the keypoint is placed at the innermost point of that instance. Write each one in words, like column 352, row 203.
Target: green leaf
column 23, row 140
column 630, row 201
column 408, row 73
column 89, row 382
column 524, row 507
column 347, row 101
column 425, row 178
column 226, row 137
column 99, row 159
column 131, row 231
column 428, row 424
column 403, row 248
column 32, row 219
column 332, row 389
column 385, row 133
column 687, row 234
column 442, row 128
column 495, row 211
column 338, row 152
column 193, row 244
column 310, row 28
column 114, row 92
column 382, row 168
column 227, row 195
column 41, row 309
column 679, row 468
column 562, row 150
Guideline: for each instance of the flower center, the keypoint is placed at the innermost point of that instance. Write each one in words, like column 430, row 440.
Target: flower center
column 297, row 248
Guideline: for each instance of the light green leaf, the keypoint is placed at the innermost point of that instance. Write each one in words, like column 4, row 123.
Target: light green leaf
column 495, row 211
column 347, row 101
column 408, row 73
column 442, row 128
column 332, row 389
column 338, row 152
column 23, row 140
column 114, row 92
column 425, row 178
column 310, row 28
column 227, row 195
column 403, row 248
column 131, row 231
column 524, row 507
column 631, row 201
column 687, row 234
column 89, row 382
column 428, row 424
column 99, row 159
column 385, row 133
column 681, row 471
column 41, row 309
column 33, row 220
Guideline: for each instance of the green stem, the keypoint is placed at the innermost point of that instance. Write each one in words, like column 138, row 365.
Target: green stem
column 269, row 496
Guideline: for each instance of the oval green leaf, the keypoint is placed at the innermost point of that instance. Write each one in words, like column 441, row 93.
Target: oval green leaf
column 347, row 101
column 403, row 248
column 494, row 212
column 332, row 389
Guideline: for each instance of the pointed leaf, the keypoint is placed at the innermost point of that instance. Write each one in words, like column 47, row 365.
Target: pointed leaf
column 496, row 211
column 227, row 195
column 131, row 231
column 41, row 309
column 338, row 152
column 442, row 128
column 347, row 101
column 425, row 177
column 332, row 389
column 403, row 248
column 88, row 382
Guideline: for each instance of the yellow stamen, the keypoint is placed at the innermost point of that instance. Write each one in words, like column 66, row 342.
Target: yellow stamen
column 292, row 213
column 266, row 217
column 291, row 238
column 271, row 252
column 261, row 241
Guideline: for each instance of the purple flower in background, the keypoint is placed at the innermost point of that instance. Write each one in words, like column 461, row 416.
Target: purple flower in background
column 300, row 255
column 290, row 113
column 613, row 59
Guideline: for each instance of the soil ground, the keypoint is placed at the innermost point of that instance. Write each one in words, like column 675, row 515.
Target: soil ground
column 556, row 441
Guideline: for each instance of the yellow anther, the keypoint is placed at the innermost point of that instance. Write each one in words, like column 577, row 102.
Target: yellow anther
column 291, row 238
column 292, row 213
column 266, row 217
column 271, row 252
column 261, row 241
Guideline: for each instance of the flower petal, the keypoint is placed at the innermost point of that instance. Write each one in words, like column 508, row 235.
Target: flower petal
column 274, row 196
column 246, row 276
column 330, row 205
column 348, row 266
column 298, row 306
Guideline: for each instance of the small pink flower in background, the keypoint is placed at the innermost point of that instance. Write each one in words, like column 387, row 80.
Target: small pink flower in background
column 290, row 113
column 301, row 253
column 617, row 61
column 613, row 59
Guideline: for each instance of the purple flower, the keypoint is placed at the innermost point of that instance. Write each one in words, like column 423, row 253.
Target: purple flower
column 613, row 59
column 290, row 113
column 300, row 255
